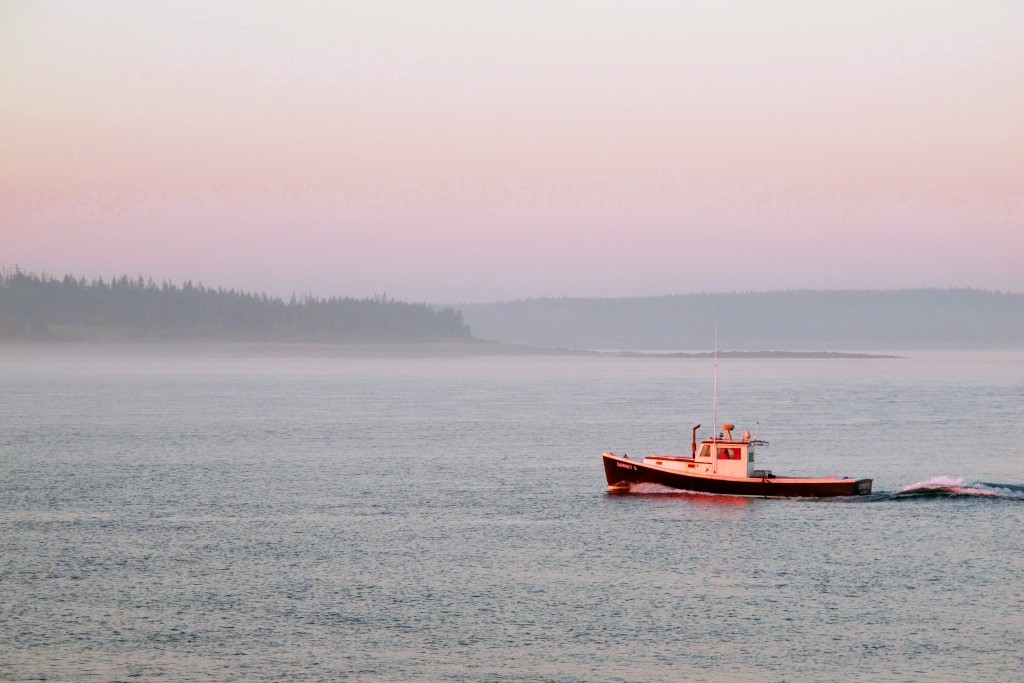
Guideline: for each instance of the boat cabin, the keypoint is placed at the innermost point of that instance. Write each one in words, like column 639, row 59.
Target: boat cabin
column 722, row 455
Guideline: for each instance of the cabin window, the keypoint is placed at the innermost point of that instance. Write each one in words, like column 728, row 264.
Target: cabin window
column 728, row 453
column 704, row 451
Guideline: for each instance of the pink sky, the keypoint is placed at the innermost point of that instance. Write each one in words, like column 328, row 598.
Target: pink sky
column 474, row 151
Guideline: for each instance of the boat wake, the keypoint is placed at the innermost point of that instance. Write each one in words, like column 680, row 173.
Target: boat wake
column 651, row 489
column 656, row 492
column 955, row 487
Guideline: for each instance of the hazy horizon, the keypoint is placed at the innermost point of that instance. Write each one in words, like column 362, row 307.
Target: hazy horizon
column 462, row 152
column 287, row 295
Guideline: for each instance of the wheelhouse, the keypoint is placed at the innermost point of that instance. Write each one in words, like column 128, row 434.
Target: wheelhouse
column 722, row 455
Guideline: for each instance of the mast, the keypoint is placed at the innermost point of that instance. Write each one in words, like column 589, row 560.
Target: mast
column 714, row 400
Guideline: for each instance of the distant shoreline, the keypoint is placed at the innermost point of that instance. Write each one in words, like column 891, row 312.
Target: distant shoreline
column 399, row 350
column 861, row 320
column 757, row 354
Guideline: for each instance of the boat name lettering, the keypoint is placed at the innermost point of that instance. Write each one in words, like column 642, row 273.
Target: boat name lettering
column 625, row 466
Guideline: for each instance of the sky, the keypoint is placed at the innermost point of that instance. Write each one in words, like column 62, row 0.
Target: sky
column 461, row 151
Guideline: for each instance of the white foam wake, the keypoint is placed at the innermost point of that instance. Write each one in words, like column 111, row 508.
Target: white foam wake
column 650, row 488
column 958, row 486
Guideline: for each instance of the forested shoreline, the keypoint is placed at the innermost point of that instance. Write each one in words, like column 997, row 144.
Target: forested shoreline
column 42, row 308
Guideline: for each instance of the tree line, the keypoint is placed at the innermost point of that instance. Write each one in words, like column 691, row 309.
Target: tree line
column 43, row 308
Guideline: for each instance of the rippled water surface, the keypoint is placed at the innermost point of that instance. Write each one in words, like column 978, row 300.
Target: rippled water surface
column 197, row 518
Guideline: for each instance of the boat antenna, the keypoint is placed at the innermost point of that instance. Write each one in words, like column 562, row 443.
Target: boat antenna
column 714, row 398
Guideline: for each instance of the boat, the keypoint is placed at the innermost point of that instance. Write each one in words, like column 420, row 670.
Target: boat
column 724, row 465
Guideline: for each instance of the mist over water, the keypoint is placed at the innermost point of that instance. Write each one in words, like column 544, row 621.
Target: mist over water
column 200, row 516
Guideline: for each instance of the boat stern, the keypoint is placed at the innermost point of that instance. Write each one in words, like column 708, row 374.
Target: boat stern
column 863, row 487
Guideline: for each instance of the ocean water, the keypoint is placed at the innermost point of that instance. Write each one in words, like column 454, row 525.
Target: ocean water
column 170, row 516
